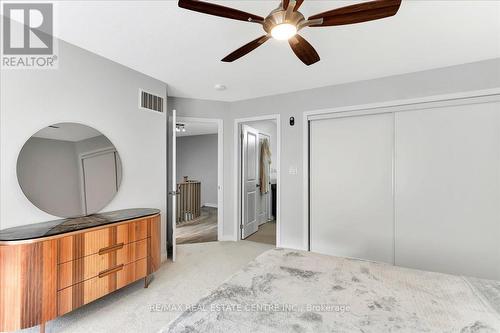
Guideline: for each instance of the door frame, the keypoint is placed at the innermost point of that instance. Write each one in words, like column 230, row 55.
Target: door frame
column 237, row 173
column 445, row 100
column 220, row 166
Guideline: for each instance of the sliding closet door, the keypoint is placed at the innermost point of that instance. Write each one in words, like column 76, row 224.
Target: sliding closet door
column 448, row 189
column 351, row 193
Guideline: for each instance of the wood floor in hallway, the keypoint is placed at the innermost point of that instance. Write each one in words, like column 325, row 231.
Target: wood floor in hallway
column 201, row 230
column 266, row 233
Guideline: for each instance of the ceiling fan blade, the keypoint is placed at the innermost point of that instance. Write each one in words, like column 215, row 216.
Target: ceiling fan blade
column 218, row 10
column 285, row 3
column 362, row 12
column 298, row 3
column 303, row 50
column 245, row 49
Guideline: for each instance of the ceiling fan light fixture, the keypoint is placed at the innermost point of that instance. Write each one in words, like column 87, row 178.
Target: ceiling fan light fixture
column 284, row 31
column 286, row 20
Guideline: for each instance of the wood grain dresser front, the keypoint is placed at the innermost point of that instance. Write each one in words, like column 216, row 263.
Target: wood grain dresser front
column 46, row 277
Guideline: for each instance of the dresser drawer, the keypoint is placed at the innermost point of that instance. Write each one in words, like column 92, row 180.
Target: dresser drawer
column 88, row 243
column 87, row 291
column 72, row 272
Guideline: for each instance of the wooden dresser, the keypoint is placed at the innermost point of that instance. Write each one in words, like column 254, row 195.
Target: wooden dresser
column 52, row 268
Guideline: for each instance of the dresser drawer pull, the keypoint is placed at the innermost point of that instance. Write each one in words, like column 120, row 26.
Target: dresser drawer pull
column 110, row 271
column 112, row 248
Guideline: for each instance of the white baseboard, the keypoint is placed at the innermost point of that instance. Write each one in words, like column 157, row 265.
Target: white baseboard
column 226, row 238
column 210, row 205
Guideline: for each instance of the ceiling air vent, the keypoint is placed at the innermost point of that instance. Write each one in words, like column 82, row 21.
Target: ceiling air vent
column 150, row 102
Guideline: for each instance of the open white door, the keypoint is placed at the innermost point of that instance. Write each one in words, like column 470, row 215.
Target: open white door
column 249, row 181
column 171, row 183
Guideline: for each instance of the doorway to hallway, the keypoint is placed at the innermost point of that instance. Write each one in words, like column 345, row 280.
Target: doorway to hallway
column 198, row 159
column 258, row 180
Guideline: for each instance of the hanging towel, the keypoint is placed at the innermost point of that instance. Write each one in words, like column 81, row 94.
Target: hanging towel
column 265, row 166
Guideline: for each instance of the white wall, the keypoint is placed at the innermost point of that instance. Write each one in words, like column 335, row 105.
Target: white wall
column 455, row 79
column 197, row 159
column 94, row 91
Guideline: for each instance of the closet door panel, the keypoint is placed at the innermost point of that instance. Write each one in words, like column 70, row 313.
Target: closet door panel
column 351, row 189
column 447, row 185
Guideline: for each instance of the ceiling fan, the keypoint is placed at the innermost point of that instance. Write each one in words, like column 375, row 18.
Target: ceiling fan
column 284, row 22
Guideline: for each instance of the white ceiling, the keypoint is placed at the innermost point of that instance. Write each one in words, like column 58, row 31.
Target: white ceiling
column 195, row 128
column 184, row 48
column 67, row 132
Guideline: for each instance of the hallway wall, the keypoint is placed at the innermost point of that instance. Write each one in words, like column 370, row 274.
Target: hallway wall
column 197, row 159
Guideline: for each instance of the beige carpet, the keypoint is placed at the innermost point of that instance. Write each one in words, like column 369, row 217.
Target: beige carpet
column 266, row 234
column 199, row 269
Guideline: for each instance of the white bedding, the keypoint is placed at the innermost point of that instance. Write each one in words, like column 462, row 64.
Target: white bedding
column 294, row 291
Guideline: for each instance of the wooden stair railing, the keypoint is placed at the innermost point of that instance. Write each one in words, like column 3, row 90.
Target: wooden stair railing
column 188, row 200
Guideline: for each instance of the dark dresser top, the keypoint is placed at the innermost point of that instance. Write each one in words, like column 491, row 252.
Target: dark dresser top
column 58, row 227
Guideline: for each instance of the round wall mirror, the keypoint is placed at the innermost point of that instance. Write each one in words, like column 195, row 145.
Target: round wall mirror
column 69, row 170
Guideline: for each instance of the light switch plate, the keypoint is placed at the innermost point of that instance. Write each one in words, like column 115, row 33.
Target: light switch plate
column 292, row 170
